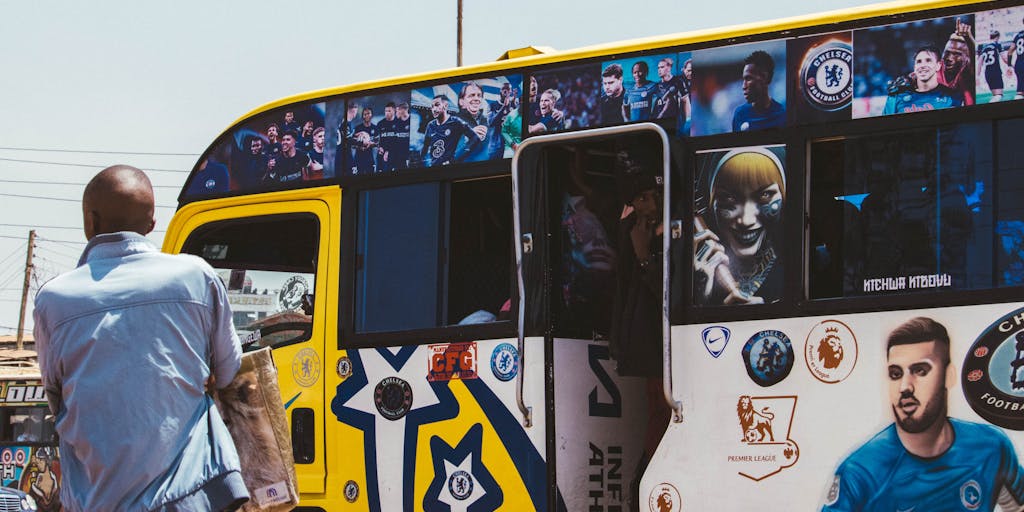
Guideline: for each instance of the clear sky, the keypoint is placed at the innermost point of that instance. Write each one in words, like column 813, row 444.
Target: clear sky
column 168, row 77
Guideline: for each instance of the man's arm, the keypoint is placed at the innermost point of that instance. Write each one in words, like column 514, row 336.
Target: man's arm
column 51, row 381
column 1011, row 478
column 225, row 349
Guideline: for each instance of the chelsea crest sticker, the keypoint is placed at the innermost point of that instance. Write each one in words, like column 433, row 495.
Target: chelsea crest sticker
column 306, row 367
column 393, row 398
column 505, row 362
column 827, row 76
column 768, row 357
column 993, row 373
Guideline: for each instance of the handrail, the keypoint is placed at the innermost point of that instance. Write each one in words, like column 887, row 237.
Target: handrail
column 522, row 239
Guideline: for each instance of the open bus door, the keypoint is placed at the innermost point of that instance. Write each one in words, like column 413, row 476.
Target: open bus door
column 275, row 260
column 569, row 214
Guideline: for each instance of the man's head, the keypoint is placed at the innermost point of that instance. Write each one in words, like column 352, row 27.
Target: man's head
column 367, row 115
column 506, row 90
column 403, row 111
column 956, row 57
column 548, row 99
column 353, row 109
column 307, row 128
column 389, row 111
column 665, row 69
column 533, row 88
column 688, row 69
column 918, row 360
column 439, row 106
column 255, row 145
column 272, row 131
column 640, row 72
column 611, row 80
column 993, row 35
column 119, row 198
column 289, row 117
column 318, row 137
column 758, row 69
column 926, row 64
column 471, row 97
column 288, row 142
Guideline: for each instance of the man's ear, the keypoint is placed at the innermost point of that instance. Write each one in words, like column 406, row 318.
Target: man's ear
column 90, row 223
column 951, row 375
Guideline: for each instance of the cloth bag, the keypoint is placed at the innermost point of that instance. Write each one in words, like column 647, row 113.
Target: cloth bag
column 254, row 414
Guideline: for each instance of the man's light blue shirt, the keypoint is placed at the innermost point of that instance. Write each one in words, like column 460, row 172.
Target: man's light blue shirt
column 125, row 345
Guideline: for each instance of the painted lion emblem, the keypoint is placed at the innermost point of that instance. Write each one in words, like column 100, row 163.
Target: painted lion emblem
column 756, row 426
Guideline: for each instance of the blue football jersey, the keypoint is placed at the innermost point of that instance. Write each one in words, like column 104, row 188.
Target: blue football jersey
column 978, row 471
column 641, row 100
column 747, row 118
column 442, row 139
column 364, row 161
column 912, row 101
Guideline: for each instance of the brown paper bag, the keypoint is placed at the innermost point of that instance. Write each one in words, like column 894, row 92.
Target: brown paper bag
column 254, row 413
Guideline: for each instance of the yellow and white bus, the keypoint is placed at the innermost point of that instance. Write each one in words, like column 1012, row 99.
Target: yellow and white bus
column 773, row 266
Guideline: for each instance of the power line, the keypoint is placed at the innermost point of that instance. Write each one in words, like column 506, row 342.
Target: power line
column 65, row 242
column 51, row 249
column 27, row 196
column 72, row 183
column 36, row 226
column 15, row 251
column 81, row 165
column 97, row 152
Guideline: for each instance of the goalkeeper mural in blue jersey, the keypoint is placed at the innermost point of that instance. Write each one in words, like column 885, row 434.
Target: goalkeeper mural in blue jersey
column 926, row 460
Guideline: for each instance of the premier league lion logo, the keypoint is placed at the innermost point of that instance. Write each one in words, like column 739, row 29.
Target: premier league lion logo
column 756, row 426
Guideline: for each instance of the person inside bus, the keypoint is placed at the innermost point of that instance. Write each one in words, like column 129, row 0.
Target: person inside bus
column 588, row 257
column 736, row 260
column 635, row 340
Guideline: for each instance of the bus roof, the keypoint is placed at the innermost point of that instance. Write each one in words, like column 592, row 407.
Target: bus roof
column 631, row 45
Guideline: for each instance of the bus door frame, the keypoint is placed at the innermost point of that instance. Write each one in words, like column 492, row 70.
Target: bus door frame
column 524, row 245
column 321, row 204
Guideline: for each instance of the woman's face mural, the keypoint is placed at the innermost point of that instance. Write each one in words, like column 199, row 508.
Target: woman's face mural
column 747, row 196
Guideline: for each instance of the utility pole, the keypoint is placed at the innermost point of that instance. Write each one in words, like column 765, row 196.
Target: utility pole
column 458, row 37
column 24, row 288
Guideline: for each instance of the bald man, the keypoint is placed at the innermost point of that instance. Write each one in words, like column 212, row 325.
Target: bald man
column 127, row 342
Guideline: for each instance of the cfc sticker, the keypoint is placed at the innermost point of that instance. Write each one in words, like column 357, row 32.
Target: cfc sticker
column 827, row 76
column 306, row 367
column 505, row 362
column 449, row 361
column 768, row 357
column 993, row 373
column 664, row 498
column 830, row 351
column 393, row 398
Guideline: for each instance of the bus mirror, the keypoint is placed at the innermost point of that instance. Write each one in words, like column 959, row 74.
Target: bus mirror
column 527, row 243
column 677, row 229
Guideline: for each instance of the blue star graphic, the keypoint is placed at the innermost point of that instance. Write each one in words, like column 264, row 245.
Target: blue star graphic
column 465, row 455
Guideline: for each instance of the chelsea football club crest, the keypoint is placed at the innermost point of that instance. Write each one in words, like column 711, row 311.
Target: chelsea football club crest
column 505, row 362
column 460, row 484
column 827, row 76
column 768, row 357
column 993, row 372
column 393, row 398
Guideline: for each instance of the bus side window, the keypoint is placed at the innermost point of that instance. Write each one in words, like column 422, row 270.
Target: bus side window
column 437, row 253
column 1009, row 229
column 904, row 212
column 268, row 265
